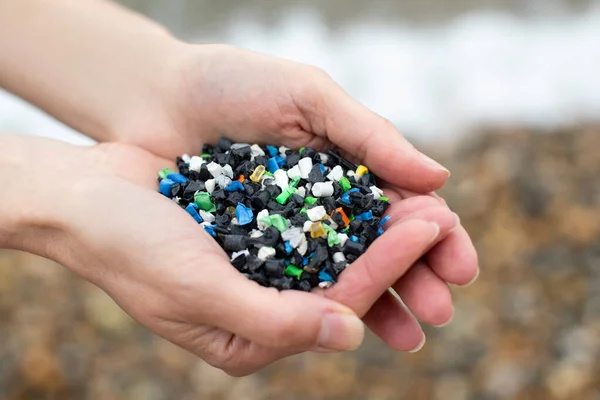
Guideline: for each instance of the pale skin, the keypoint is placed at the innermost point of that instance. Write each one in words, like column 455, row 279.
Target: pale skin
column 125, row 81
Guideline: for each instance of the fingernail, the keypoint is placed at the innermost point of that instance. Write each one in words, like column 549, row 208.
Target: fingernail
column 341, row 332
column 436, row 230
column 420, row 346
column 434, row 163
column 445, row 323
column 472, row 281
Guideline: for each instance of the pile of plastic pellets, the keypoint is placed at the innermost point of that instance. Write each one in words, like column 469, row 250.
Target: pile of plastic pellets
column 289, row 219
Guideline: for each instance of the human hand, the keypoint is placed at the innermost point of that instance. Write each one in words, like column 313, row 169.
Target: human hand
column 221, row 90
column 109, row 225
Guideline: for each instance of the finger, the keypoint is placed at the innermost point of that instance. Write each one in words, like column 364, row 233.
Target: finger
column 388, row 258
column 404, row 208
column 394, row 324
column 286, row 319
column 374, row 140
column 426, row 295
column 454, row 259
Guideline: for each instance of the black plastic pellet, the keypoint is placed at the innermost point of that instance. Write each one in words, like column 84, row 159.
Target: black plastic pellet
column 275, row 267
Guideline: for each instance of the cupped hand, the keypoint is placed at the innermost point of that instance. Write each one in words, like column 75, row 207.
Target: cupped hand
column 164, row 270
column 218, row 90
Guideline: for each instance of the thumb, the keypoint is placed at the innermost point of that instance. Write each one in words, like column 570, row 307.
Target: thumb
column 372, row 139
column 287, row 319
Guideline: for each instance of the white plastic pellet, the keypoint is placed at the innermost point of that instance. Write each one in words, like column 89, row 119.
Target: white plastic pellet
column 259, row 216
column 236, row 254
column 303, row 247
column 206, row 216
column 265, row 252
column 343, row 238
column 281, row 179
column 282, row 150
column 339, row 257
column 214, row 169
column 294, row 172
column 256, row 233
column 332, row 223
column 227, row 171
column 196, row 163
column 377, row 193
column 336, row 173
column 324, row 158
column 234, row 221
column 316, row 213
column 256, row 151
column 305, row 166
column 210, row 185
column 294, row 236
column 325, row 284
column 322, row 189
column 223, row 181
column 186, row 158
column 301, row 191
column 307, row 226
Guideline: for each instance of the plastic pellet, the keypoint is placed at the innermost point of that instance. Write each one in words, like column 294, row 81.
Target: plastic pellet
column 165, row 187
column 361, row 170
column 276, row 220
column 305, row 166
column 322, row 189
column 258, row 173
column 214, row 169
column 345, row 184
column 317, row 230
column 272, row 165
column 294, row 271
column 316, row 213
column 281, row 179
column 204, row 202
column 193, row 211
column 235, row 186
column 243, row 214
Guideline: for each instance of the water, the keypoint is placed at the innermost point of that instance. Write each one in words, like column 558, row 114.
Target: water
column 435, row 74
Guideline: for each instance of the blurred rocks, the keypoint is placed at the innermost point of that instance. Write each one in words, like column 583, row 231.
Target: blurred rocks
column 529, row 329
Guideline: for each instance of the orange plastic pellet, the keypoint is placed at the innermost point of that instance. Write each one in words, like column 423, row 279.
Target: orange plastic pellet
column 343, row 214
column 242, row 178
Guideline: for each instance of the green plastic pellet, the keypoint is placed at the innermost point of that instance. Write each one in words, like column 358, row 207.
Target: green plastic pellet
column 385, row 198
column 275, row 220
column 294, row 271
column 301, row 149
column 206, row 155
column 162, row 174
column 351, row 217
column 204, row 202
column 267, row 173
column 294, row 182
column 345, row 184
column 303, row 211
column 310, row 200
column 285, row 195
column 332, row 237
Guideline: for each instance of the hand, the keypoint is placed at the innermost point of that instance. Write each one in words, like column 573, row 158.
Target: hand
column 221, row 90
column 158, row 264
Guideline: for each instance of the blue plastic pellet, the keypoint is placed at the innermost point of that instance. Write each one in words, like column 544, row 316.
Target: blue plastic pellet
column 322, row 168
column 192, row 209
column 366, row 216
column 346, row 199
column 235, row 186
column 354, row 190
column 272, row 165
column 243, row 214
column 305, row 260
column 165, row 187
column 380, row 231
column 288, row 247
column 355, row 239
column 280, row 161
column 272, row 150
column 325, row 277
column 211, row 230
column 177, row 178
column 384, row 220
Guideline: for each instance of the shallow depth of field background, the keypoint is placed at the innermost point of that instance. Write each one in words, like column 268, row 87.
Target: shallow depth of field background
column 504, row 92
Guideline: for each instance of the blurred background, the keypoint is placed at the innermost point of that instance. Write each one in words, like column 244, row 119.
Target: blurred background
column 503, row 92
